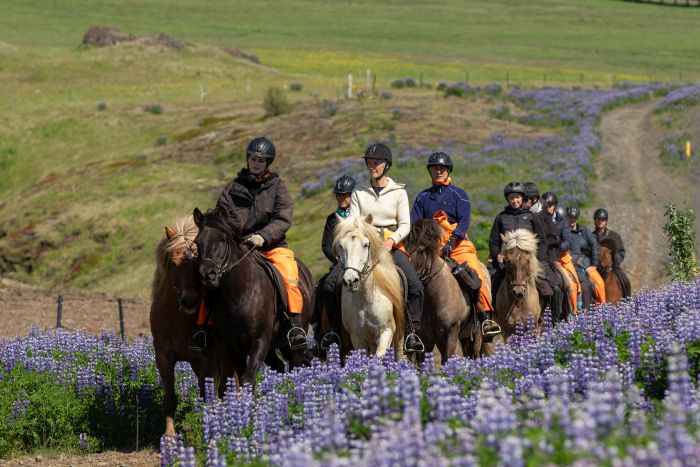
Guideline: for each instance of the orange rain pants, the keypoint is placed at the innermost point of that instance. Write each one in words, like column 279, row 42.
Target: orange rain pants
column 465, row 252
column 598, row 284
column 571, row 277
column 283, row 259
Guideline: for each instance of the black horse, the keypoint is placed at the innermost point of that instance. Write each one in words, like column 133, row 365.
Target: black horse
column 243, row 302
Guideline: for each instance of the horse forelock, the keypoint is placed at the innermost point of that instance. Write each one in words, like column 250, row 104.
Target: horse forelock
column 526, row 241
column 174, row 249
column 424, row 233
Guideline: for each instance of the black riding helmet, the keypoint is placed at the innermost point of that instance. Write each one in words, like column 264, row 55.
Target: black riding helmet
column 440, row 158
column 572, row 211
column 379, row 151
column 550, row 198
column 344, row 184
column 531, row 190
column 261, row 147
column 514, row 187
column 600, row 213
column 561, row 212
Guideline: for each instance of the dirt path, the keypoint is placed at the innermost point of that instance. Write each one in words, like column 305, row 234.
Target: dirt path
column 635, row 188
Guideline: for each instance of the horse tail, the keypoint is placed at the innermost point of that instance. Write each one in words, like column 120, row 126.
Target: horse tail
column 388, row 282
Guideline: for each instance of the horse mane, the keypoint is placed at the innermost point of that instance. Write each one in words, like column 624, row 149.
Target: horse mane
column 424, row 233
column 173, row 249
column 526, row 241
column 384, row 274
column 212, row 218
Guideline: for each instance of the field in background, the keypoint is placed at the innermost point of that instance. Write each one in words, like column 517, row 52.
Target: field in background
column 85, row 193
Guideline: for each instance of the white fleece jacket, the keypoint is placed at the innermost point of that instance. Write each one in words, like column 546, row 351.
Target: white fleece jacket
column 388, row 208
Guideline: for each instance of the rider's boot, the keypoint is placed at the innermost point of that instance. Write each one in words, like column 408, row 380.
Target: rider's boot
column 413, row 343
column 414, row 309
column 296, row 336
column 200, row 341
column 489, row 327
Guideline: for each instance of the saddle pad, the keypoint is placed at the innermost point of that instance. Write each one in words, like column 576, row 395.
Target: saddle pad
column 276, row 277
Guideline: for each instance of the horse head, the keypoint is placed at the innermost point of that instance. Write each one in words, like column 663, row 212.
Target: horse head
column 182, row 260
column 422, row 243
column 521, row 265
column 216, row 244
column 605, row 264
column 358, row 245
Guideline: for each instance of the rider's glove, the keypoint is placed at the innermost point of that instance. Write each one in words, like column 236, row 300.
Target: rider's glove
column 255, row 241
column 449, row 246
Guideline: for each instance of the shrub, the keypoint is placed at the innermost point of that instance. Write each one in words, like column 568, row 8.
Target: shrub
column 681, row 239
column 330, row 108
column 410, row 82
column 398, row 84
column 386, row 95
column 501, row 113
column 155, row 109
column 442, row 86
column 296, row 87
column 161, row 140
column 276, row 103
column 102, row 105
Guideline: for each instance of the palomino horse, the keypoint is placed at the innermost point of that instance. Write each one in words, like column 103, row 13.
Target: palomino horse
column 517, row 295
column 372, row 303
column 175, row 297
column 606, row 269
column 243, row 301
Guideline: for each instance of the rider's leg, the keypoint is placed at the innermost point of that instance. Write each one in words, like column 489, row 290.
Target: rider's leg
column 414, row 304
column 329, row 297
column 586, row 289
column 200, row 341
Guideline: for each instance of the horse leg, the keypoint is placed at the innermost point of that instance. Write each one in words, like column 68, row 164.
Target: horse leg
column 257, row 355
column 166, row 369
column 383, row 342
column 448, row 346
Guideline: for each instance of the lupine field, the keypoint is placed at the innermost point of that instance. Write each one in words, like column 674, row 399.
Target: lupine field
column 612, row 386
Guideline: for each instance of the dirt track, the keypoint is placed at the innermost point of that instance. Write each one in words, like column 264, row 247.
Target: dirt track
column 635, row 188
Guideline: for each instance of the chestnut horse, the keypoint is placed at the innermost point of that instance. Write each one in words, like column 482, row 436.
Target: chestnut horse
column 606, row 269
column 175, row 296
column 517, row 295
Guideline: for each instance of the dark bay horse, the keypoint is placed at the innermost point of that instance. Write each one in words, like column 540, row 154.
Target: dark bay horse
column 517, row 295
column 243, row 301
column 176, row 294
column 446, row 311
column 607, row 270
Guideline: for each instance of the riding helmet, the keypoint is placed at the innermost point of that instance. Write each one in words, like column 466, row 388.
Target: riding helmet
column 344, row 184
column 572, row 211
column 261, row 147
column 379, row 151
column 440, row 158
column 531, row 190
column 600, row 213
column 514, row 187
column 561, row 212
column 550, row 198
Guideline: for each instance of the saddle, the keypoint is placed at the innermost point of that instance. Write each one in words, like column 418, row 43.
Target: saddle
column 276, row 278
column 466, row 276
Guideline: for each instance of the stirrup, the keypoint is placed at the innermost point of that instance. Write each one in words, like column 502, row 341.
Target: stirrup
column 329, row 339
column 406, row 349
column 493, row 332
column 191, row 343
column 300, row 345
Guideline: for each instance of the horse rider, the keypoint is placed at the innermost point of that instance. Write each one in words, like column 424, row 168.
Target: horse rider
column 552, row 250
column 449, row 206
column 387, row 201
column 561, row 253
column 585, row 257
column 327, row 287
column 514, row 216
column 602, row 233
column 258, row 203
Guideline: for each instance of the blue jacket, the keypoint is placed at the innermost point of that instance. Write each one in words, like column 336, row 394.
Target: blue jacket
column 451, row 199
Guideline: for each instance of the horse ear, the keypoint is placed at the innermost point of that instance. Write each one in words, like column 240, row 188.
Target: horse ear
column 503, row 238
column 170, row 233
column 198, row 217
column 369, row 219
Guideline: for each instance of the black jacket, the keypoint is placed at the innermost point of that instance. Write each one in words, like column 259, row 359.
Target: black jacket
column 512, row 219
column 262, row 207
column 552, row 239
column 328, row 234
column 614, row 238
column 584, row 246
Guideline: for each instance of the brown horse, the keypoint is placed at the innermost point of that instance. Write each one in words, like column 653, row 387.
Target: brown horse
column 517, row 295
column 175, row 298
column 243, row 301
column 606, row 269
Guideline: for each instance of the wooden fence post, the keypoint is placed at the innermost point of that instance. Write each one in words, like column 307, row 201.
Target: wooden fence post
column 59, row 311
column 121, row 317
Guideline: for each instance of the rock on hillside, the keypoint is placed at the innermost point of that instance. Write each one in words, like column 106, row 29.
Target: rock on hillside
column 104, row 37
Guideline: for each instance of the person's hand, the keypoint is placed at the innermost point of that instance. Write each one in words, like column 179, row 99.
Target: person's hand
column 255, row 241
column 500, row 258
column 389, row 244
column 449, row 246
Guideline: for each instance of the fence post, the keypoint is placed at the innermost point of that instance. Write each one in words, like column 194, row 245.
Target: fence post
column 121, row 317
column 59, row 311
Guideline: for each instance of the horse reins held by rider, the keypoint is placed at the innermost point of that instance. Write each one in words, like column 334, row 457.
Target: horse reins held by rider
column 224, row 268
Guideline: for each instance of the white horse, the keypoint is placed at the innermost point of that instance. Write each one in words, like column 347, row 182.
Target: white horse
column 372, row 303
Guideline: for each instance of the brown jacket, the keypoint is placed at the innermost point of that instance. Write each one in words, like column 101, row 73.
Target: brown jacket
column 262, row 207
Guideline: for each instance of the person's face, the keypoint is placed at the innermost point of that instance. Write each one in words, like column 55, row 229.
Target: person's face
column 551, row 209
column 343, row 200
column 601, row 223
column 527, row 203
column 439, row 173
column 375, row 167
column 572, row 221
column 515, row 200
column 257, row 165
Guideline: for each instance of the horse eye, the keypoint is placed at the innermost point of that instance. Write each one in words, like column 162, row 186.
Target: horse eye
column 366, row 245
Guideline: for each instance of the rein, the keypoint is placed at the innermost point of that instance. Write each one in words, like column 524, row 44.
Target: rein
column 426, row 277
column 364, row 274
column 224, row 268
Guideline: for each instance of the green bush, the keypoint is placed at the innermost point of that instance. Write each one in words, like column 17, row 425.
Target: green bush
column 276, row 103
column 681, row 239
column 155, row 109
column 296, row 87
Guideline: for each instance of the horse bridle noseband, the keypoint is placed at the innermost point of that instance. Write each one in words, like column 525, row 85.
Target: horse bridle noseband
column 224, row 268
column 364, row 274
column 426, row 277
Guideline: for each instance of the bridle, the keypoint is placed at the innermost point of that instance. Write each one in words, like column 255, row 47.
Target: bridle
column 512, row 283
column 426, row 276
column 222, row 268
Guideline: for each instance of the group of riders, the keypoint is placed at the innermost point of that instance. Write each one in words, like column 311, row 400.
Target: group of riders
column 567, row 251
